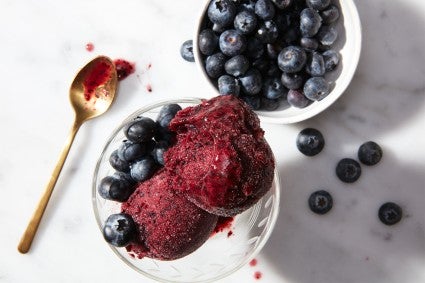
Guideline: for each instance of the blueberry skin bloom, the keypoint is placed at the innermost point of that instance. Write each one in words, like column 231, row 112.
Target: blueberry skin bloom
column 348, row 170
column 315, row 65
column 245, row 22
column 297, row 99
column 331, row 59
column 214, row 65
column 141, row 130
column 310, row 141
column 167, row 113
column 310, row 22
column 327, row 35
column 316, row 88
column 318, row 4
column 232, row 42
column 237, row 65
column 207, row 42
column 369, row 153
column 390, row 213
column 251, row 82
column 320, row 202
column 273, row 88
column 292, row 81
column 292, row 59
column 228, row 85
column 143, row 169
column 186, row 51
column 221, row 12
column 119, row 229
column 265, row 9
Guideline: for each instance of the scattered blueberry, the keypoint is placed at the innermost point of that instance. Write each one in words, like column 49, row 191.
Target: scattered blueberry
column 309, row 43
column 143, row 169
column 273, row 88
column 264, row 9
column 232, row 42
column 330, row 15
column 320, row 202
column 297, row 99
column 331, row 59
column 130, row 151
column 115, row 188
column 318, row 4
column 310, row 141
column 237, row 65
column 167, row 113
column 327, row 35
column 315, row 65
column 228, row 85
column 292, row 59
column 119, row 229
column 186, row 51
column 348, row 170
column 245, row 22
column 221, row 12
column 390, row 213
column 214, row 65
column 310, row 22
column 251, row 82
column 267, row 32
column 207, row 42
column 316, row 88
column 117, row 163
column 140, row 130
column 292, row 81
column 370, row 153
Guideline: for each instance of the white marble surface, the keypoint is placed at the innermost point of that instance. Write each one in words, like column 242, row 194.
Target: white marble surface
column 43, row 45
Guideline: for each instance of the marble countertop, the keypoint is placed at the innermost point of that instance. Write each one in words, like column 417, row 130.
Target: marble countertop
column 43, row 45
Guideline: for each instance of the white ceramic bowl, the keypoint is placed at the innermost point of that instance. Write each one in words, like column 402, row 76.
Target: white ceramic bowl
column 221, row 255
column 348, row 45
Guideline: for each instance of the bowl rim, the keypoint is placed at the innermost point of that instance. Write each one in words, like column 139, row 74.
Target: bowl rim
column 324, row 104
column 270, row 224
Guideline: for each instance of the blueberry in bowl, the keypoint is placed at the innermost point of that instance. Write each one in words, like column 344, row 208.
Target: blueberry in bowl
column 312, row 46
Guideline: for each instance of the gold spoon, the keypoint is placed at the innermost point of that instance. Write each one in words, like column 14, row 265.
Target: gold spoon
column 91, row 94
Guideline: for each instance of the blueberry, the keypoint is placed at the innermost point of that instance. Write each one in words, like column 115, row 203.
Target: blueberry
column 186, row 51
column 251, row 82
column 116, row 188
column 252, row 101
column 348, row 170
column 269, row 104
column 119, row 229
column 282, row 4
column 310, row 141
column 163, row 134
column 143, row 169
column 318, row 4
column 327, row 35
column 247, row 5
column 228, row 85
column 117, row 163
column 320, row 202
column 273, row 50
column 316, row 88
column 140, row 130
column 221, row 12
column 390, row 213
column 232, row 42
column 330, row 15
column 369, row 153
column 292, row 59
column 237, row 65
column 167, row 113
column 207, row 42
column 130, row 151
column 265, row 9
column 267, row 32
column 245, row 22
column 310, row 22
column 218, row 29
column 309, row 43
column 292, row 81
column 315, row 65
column 297, row 99
column 331, row 59
column 158, row 152
column 255, row 48
column 273, row 88
column 214, row 65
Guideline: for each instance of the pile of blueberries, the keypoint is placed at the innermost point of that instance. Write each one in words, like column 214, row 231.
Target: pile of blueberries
column 310, row 142
column 266, row 51
column 137, row 159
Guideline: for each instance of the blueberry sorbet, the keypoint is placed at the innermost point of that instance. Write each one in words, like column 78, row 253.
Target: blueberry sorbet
column 219, row 165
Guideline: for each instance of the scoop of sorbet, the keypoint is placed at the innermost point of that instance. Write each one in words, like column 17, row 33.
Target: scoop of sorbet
column 221, row 160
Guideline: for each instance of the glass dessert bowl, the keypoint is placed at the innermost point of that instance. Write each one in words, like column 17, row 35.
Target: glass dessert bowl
column 229, row 247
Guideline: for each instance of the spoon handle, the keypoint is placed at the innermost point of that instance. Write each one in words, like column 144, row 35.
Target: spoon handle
column 28, row 236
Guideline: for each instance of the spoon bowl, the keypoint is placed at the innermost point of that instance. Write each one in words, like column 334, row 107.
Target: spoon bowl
column 91, row 95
